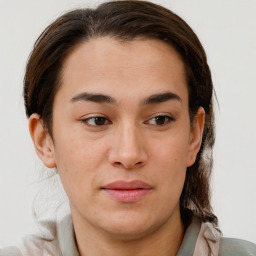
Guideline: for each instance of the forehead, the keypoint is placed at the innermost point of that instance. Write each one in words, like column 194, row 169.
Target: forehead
column 132, row 67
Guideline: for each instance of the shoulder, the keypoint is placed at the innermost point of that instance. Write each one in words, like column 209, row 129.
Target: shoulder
column 236, row 247
column 42, row 242
column 10, row 251
column 32, row 245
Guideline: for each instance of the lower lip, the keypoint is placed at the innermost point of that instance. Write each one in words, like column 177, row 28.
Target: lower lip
column 127, row 195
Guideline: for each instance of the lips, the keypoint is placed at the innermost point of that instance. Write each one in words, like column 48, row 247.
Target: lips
column 127, row 191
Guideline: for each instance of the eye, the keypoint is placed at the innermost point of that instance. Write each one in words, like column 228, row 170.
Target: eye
column 160, row 120
column 96, row 121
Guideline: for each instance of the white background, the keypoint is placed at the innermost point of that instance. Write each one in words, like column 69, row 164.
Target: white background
column 227, row 30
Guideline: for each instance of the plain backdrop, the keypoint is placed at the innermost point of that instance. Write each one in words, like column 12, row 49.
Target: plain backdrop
column 227, row 29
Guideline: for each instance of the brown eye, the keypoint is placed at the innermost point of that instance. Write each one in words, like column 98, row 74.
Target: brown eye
column 160, row 120
column 96, row 121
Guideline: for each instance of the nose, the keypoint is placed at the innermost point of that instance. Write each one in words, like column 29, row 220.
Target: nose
column 128, row 149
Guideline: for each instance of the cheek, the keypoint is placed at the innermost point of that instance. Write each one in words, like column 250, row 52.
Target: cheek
column 172, row 151
column 170, row 161
column 77, row 160
column 74, row 149
column 172, row 176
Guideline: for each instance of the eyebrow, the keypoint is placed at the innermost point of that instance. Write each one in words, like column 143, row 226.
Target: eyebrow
column 102, row 98
column 161, row 97
column 98, row 98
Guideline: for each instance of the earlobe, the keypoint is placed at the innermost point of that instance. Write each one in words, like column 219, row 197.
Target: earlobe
column 196, row 136
column 42, row 141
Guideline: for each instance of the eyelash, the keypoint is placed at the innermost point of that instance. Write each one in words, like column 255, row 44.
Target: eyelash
column 164, row 120
column 167, row 119
column 96, row 118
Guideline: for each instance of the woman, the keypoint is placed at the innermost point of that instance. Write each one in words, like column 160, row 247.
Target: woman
column 119, row 101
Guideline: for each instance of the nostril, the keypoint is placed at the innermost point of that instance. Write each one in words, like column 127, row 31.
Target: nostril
column 128, row 166
column 118, row 163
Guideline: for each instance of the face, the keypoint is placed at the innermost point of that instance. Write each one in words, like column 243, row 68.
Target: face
column 122, row 137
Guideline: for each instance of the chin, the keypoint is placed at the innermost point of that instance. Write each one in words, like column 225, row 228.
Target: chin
column 128, row 228
column 128, row 233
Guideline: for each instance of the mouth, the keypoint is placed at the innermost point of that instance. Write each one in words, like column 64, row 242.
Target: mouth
column 127, row 191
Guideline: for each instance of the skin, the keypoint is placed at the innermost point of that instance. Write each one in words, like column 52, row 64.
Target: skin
column 129, row 144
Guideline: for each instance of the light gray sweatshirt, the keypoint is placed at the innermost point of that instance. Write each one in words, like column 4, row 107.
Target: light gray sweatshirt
column 57, row 239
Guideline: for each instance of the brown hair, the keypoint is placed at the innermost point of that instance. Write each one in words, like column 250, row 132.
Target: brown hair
column 128, row 20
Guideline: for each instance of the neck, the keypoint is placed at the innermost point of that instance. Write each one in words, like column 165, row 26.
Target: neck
column 165, row 240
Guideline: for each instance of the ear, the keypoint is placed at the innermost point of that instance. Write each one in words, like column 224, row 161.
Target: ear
column 42, row 141
column 196, row 136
